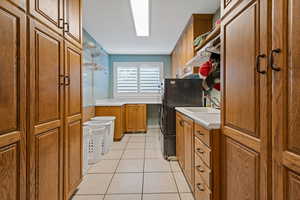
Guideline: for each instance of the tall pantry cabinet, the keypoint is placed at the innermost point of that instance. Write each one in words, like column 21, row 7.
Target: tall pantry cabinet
column 12, row 102
column 285, row 65
column 245, row 142
column 40, row 99
column 260, row 70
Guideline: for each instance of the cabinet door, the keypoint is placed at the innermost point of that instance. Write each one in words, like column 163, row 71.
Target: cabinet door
column 49, row 12
column 73, row 18
column 188, row 146
column 286, row 100
column 119, row 112
column 46, row 114
column 19, row 3
column 73, row 119
column 12, row 103
column 131, row 117
column 141, row 118
column 180, row 144
column 190, row 41
column 245, row 103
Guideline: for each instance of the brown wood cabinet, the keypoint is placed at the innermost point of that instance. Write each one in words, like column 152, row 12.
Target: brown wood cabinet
column 285, row 60
column 184, row 49
column 136, row 118
column 180, row 144
column 41, row 106
column 49, row 12
column 12, row 103
column 246, row 169
column 119, row 113
column 46, row 129
column 73, row 119
column 198, row 153
column 62, row 16
column 55, row 137
column 184, row 146
column 188, row 127
column 73, row 21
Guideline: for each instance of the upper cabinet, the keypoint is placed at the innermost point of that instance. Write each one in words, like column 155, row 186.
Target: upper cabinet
column 245, row 95
column 49, row 12
column 184, row 49
column 73, row 21
column 19, row 3
column 285, row 64
column 62, row 16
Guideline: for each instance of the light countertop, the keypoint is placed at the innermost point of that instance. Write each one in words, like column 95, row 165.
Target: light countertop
column 123, row 101
column 209, row 120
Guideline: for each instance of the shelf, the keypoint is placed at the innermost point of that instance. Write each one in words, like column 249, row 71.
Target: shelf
column 210, row 37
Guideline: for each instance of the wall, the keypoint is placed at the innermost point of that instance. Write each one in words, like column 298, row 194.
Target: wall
column 95, row 83
column 152, row 110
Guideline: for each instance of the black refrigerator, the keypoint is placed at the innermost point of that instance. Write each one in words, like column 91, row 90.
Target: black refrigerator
column 176, row 93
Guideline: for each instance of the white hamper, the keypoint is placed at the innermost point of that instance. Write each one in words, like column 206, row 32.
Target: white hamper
column 86, row 138
column 106, row 141
column 112, row 128
column 97, row 135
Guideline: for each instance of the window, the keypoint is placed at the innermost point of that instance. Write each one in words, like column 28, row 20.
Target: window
column 137, row 79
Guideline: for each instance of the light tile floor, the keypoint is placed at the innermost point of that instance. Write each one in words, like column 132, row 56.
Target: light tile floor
column 134, row 169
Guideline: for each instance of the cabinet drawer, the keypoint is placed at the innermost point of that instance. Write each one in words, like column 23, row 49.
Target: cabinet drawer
column 203, row 151
column 202, row 134
column 202, row 170
column 201, row 191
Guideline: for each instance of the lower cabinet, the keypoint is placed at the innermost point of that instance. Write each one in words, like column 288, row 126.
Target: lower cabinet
column 136, row 118
column 119, row 113
column 198, row 153
column 184, row 146
column 180, row 149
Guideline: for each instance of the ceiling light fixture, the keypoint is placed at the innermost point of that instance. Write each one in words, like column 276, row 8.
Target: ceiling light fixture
column 140, row 11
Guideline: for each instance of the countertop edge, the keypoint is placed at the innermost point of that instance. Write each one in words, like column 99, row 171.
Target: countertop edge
column 197, row 120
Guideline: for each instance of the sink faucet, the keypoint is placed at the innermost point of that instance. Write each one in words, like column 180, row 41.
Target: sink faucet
column 214, row 101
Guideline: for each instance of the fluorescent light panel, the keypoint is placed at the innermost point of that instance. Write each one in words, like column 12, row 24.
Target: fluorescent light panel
column 140, row 12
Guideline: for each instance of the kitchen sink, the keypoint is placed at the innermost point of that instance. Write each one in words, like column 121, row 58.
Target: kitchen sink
column 201, row 110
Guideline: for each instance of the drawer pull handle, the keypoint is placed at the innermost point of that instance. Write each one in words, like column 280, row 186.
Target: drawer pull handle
column 200, row 187
column 200, row 151
column 199, row 133
column 200, row 169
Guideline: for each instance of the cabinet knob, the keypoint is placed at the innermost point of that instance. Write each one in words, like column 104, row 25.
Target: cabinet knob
column 258, row 63
column 61, row 23
column 273, row 52
column 200, row 187
column 66, row 27
column 200, row 151
column 200, row 169
column 67, row 80
column 199, row 133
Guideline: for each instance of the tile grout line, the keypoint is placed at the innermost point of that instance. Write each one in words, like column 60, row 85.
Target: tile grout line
column 178, row 192
column 105, row 194
column 143, row 179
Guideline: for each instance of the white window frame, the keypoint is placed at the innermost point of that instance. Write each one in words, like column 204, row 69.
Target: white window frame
column 135, row 64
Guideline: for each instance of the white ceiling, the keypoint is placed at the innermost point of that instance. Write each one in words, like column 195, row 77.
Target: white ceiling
column 110, row 22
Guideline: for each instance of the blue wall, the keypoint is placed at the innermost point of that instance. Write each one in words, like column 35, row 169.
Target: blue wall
column 166, row 59
column 95, row 83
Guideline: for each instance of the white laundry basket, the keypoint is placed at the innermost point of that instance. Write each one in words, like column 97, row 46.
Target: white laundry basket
column 96, row 140
column 106, row 141
column 86, row 139
column 112, row 128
